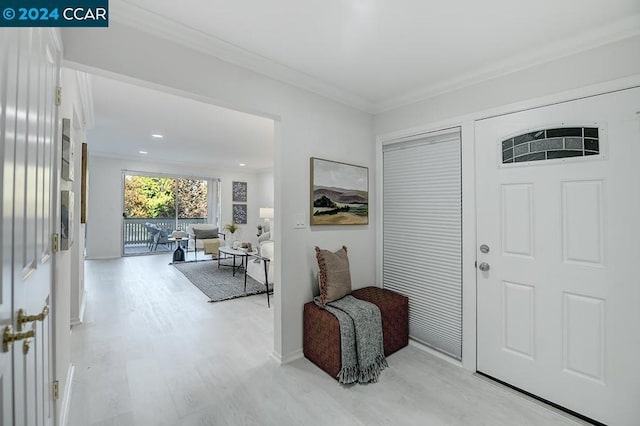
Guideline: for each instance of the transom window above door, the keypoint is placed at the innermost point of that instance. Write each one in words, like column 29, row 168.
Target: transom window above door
column 551, row 144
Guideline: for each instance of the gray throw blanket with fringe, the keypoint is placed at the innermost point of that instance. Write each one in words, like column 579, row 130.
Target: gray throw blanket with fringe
column 361, row 339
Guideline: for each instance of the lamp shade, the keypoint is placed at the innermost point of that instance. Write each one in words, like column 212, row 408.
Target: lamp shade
column 266, row 212
column 178, row 235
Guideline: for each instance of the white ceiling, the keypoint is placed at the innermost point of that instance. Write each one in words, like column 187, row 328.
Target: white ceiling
column 195, row 133
column 370, row 54
column 383, row 53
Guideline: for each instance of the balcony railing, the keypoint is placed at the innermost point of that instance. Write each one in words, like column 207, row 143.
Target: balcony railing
column 135, row 231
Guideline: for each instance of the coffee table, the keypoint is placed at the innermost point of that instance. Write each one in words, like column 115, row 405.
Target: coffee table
column 265, row 262
column 242, row 254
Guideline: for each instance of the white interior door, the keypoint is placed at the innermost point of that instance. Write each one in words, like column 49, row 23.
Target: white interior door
column 558, row 309
column 30, row 60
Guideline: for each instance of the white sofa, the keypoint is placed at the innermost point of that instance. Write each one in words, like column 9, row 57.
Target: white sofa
column 256, row 269
column 213, row 244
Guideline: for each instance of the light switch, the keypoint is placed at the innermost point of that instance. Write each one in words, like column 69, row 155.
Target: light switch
column 300, row 222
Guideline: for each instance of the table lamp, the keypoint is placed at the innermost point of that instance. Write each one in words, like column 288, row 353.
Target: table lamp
column 266, row 213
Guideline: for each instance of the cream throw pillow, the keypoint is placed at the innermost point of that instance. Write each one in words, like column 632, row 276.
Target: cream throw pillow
column 335, row 277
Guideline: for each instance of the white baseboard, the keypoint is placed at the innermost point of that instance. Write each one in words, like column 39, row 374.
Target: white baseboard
column 83, row 305
column 297, row 354
column 435, row 353
column 102, row 257
column 80, row 319
column 277, row 357
column 66, row 397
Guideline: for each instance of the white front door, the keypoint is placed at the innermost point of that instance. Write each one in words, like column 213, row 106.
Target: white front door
column 29, row 74
column 559, row 306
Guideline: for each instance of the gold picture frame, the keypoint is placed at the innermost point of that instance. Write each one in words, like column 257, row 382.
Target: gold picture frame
column 83, row 184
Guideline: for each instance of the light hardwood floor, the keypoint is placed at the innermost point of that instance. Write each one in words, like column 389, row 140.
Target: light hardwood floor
column 152, row 351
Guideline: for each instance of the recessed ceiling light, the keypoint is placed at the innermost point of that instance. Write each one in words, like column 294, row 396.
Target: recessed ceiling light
column 242, row 164
column 143, row 152
column 157, row 136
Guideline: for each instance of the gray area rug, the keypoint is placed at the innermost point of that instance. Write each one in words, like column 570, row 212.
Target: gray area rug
column 219, row 284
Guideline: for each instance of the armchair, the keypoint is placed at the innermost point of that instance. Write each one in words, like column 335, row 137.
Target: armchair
column 204, row 236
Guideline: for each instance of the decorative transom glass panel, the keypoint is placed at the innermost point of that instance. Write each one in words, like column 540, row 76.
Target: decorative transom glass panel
column 550, row 144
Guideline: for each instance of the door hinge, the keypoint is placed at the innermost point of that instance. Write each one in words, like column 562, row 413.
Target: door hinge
column 58, row 96
column 56, row 243
column 475, row 265
column 56, row 390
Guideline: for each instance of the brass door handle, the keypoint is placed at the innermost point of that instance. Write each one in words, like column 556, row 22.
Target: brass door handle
column 23, row 318
column 25, row 346
column 8, row 337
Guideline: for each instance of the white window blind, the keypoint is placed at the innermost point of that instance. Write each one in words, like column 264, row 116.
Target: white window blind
column 422, row 235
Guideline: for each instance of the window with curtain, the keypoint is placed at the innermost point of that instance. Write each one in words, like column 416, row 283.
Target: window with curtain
column 165, row 202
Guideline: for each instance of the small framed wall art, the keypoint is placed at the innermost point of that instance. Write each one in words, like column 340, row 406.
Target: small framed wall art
column 67, row 169
column 339, row 193
column 66, row 219
column 240, row 214
column 239, row 191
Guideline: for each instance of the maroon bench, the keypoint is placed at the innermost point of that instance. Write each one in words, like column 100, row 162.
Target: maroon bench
column 321, row 335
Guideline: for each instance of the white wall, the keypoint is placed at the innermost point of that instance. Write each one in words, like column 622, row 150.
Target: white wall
column 550, row 82
column 68, row 296
column 104, row 224
column 265, row 182
column 309, row 125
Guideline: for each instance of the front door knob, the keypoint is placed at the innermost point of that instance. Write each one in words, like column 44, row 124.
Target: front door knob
column 484, row 267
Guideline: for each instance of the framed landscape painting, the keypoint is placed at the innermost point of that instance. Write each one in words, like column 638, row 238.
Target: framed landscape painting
column 339, row 193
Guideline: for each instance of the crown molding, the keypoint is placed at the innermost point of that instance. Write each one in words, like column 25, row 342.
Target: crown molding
column 619, row 30
column 133, row 16
column 159, row 26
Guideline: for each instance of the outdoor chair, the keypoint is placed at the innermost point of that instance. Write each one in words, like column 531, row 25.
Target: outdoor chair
column 161, row 237
column 152, row 230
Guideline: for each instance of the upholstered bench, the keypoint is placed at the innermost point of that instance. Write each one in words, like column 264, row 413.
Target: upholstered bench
column 321, row 336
